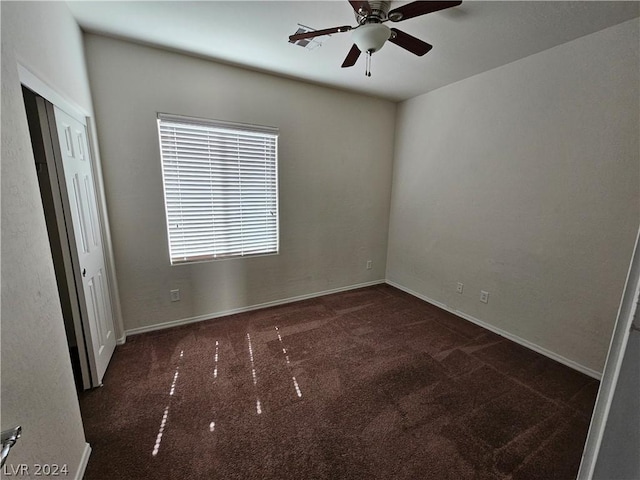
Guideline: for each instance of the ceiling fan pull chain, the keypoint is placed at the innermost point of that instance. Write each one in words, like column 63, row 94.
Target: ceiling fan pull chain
column 367, row 71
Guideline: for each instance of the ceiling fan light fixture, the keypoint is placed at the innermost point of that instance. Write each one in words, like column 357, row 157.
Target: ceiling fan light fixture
column 371, row 36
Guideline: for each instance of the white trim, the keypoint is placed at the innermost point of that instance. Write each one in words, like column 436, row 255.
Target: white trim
column 82, row 466
column 107, row 243
column 503, row 333
column 224, row 313
column 42, row 88
column 526, row 343
column 121, row 340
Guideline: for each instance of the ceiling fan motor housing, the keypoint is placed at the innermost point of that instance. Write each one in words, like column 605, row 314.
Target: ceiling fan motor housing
column 378, row 14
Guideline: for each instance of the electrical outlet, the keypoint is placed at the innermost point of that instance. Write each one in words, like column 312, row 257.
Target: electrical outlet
column 484, row 296
column 460, row 287
column 175, row 295
column 369, row 264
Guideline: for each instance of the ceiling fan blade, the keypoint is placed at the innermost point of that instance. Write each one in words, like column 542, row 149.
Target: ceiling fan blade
column 361, row 6
column 409, row 42
column 318, row 33
column 352, row 57
column 415, row 9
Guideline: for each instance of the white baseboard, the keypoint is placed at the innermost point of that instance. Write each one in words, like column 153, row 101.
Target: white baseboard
column 274, row 303
column 122, row 339
column 83, row 462
column 503, row 333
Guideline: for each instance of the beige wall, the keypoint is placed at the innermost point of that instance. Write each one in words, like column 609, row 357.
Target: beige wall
column 524, row 181
column 335, row 162
column 38, row 391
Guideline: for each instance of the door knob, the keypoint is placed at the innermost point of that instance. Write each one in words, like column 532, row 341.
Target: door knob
column 9, row 439
column 84, row 272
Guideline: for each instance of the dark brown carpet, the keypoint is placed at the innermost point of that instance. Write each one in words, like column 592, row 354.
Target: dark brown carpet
column 367, row 384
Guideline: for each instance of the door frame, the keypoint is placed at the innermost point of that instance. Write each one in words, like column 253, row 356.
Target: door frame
column 56, row 211
column 627, row 313
column 48, row 93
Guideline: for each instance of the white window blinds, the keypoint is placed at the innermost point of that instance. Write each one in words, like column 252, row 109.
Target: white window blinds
column 220, row 188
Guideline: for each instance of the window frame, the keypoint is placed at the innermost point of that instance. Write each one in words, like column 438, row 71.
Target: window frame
column 270, row 133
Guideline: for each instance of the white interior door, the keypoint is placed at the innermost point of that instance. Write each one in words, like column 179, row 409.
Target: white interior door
column 76, row 160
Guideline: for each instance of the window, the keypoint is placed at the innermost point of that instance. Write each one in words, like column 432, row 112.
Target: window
column 220, row 188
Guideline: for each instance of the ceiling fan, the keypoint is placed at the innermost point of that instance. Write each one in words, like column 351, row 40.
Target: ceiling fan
column 370, row 34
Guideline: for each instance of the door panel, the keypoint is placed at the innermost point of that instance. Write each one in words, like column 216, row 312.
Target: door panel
column 74, row 148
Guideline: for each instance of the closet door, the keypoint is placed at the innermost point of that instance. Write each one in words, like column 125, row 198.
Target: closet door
column 85, row 222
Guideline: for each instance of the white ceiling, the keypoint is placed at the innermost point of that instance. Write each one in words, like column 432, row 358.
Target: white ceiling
column 471, row 38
